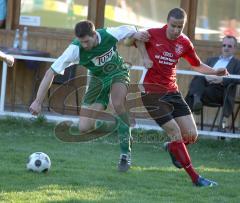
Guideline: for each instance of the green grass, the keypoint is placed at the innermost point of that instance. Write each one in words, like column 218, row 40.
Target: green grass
column 86, row 172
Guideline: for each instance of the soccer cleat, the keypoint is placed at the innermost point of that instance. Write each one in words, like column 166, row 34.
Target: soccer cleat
column 124, row 162
column 203, row 182
column 175, row 162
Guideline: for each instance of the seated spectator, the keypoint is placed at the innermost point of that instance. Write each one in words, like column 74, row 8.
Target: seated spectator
column 3, row 12
column 212, row 89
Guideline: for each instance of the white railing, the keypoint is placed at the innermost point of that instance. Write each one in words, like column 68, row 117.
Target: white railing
column 57, row 118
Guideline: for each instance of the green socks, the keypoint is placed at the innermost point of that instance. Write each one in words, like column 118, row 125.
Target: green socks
column 122, row 127
column 124, row 133
column 105, row 126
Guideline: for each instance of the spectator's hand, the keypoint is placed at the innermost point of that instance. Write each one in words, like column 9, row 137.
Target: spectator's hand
column 222, row 72
column 9, row 60
column 142, row 36
column 35, row 108
column 147, row 63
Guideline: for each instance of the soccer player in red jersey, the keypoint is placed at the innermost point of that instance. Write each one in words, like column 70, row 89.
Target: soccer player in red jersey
column 160, row 54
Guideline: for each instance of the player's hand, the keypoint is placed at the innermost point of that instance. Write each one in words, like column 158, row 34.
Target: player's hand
column 129, row 42
column 35, row 108
column 9, row 60
column 222, row 72
column 142, row 36
column 147, row 63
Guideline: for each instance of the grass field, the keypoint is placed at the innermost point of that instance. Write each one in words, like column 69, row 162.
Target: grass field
column 86, row 172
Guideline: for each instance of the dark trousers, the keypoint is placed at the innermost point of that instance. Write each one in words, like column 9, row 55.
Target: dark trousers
column 212, row 94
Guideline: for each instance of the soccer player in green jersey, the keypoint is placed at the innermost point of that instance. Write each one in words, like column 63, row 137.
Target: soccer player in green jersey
column 96, row 50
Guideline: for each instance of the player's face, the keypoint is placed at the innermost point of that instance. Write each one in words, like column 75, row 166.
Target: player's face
column 228, row 47
column 175, row 28
column 88, row 42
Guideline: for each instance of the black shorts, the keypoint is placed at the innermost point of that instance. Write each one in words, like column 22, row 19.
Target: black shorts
column 165, row 107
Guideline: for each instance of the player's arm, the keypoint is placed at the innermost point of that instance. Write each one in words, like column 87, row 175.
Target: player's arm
column 70, row 56
column 128, row 32
column 7, row 58
column 205, row 69
column 199, row 66
column 35, row 107
column 147, row 62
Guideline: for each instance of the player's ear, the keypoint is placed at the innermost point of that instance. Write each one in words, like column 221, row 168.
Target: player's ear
column 94, row 33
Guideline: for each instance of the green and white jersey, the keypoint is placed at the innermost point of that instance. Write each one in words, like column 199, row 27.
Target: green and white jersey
column 102, row 60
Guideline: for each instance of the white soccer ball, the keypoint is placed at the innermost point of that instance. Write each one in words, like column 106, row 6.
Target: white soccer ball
column 38, row 162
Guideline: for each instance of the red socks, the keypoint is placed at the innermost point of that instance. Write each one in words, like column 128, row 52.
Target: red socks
column 179, row 151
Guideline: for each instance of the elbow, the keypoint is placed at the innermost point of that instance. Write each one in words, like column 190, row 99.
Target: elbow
column 49, row 74
column 195, row 68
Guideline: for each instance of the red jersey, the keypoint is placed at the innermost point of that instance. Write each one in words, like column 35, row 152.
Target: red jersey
column 165, row 54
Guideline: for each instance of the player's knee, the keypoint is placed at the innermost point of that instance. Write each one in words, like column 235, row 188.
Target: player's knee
column 193, row 136
column 190, row 137
column 84, row 127
column 118, row 106
column 174, row 133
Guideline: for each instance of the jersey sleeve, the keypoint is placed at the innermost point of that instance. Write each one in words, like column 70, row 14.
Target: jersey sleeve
column 69, row 57
column 121, row 32
column 191, row 55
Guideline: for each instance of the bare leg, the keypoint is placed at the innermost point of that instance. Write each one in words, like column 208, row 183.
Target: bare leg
column 87, row 123
column 172, row 129
column 118, row 97
column 188, row 128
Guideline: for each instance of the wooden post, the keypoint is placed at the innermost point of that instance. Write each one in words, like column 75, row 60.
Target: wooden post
column 96, row 9
column 190, row 6
column 10, row 17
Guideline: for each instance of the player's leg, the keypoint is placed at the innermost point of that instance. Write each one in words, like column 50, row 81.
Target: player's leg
column 183, row 116
column 87, row 121
column 174, row 133
column 188, row 128
column 161, row 111
column 95, row 99
column 172, row 124
column 178, row 149
column 118, row 97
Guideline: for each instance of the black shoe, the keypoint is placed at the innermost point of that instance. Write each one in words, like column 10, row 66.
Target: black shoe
column 175, row 162
column 124, row 162
column 197, row 104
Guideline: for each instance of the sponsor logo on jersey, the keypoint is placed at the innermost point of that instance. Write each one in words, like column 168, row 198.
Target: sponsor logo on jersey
column 104, row 58
column 179, row 49
column 167, row 54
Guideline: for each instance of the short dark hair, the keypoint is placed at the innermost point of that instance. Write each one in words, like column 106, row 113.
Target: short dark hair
column 84, row 28
column 231, row 37
column 177, row 13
